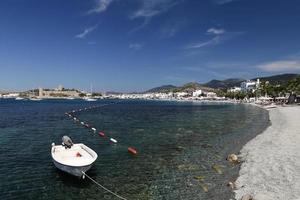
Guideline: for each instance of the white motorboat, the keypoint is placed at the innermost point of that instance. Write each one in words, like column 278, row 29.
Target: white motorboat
column 34, row 99
column 19, row 98
column 73, row 158
column 90, row 99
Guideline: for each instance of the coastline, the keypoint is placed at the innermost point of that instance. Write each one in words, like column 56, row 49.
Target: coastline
column 271, row 160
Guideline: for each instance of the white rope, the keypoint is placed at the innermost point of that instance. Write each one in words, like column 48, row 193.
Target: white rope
column 104, row 188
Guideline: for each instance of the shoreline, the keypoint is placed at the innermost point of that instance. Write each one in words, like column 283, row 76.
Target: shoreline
column 271, row 160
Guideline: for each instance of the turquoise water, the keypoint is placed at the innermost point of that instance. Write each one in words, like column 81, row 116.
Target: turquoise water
column 175, row 142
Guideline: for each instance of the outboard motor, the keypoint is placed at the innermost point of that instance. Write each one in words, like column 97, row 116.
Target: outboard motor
column 67, row 142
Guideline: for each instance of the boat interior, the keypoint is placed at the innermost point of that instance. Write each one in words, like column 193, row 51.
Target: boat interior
column 77, row 155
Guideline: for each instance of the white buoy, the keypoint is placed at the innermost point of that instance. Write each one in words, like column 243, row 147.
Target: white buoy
column 113, row 140
column 82, row 123
column 93, row 129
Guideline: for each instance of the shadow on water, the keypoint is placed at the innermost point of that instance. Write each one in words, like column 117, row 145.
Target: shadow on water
column 73, row 181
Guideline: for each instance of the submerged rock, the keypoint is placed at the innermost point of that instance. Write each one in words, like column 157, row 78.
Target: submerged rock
column 199, row 178
column 138, row 130
column 217, row 168
column 187, row 167
column 206, row 146
column 204, row 187
column 179, row 148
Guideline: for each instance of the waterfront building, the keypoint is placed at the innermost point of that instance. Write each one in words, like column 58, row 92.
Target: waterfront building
column 58, row 93
column 235, row 89
column 10, row 95
column 250, row 86
column 197, row 93
column 181, row 94
column 211, row 95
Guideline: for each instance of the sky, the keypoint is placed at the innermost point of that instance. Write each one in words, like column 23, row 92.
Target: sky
column 134, row 45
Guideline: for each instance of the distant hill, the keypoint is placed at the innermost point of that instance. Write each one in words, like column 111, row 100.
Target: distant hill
column 278, row 79
column 161, row 89
column 192, row 86
column 188, row 87
column 224, row 84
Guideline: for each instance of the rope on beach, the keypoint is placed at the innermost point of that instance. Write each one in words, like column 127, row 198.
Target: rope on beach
column 104, row 188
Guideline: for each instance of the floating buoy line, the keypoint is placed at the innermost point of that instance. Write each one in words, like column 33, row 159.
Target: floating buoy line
column 71, row 115
column 131, row 150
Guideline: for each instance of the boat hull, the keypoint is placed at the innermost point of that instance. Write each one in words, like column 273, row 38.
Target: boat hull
column 75, row 171
column 75, row 160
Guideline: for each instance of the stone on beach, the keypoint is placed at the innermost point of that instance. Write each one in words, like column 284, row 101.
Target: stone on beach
column 247, row 197
column 231, row 185
column 233, row 158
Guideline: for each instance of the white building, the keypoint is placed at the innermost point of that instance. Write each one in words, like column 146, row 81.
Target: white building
column 181, row 94
column 247, row 86
column 235, row 89
column 10, row 95
column 211, row 95
column 197, row 93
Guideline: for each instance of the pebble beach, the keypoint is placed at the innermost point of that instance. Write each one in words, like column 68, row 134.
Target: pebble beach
column 271, row 161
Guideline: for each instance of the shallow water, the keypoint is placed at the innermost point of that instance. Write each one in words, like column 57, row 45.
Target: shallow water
column 175, row 142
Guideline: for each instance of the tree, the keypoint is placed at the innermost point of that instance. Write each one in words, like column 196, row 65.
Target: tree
column 294, row 85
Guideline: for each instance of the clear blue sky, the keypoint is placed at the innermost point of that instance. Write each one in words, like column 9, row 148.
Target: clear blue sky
column 133, row 45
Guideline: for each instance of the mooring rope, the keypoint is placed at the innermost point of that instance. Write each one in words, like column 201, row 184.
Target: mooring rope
column 104, row 188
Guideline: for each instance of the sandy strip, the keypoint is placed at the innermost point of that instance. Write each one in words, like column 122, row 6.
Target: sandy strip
column 271, row 167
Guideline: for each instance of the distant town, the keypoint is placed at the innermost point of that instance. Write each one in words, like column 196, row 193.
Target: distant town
column 278, row 89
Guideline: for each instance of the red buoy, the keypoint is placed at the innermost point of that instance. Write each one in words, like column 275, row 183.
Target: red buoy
column 132, row 150
column 101, row 134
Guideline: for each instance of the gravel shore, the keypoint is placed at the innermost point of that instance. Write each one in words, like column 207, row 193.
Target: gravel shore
column 271, row 167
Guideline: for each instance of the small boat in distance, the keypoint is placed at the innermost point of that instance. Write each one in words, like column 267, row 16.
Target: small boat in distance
column 89, row 99
column 73, row 158
column 34, row 99
column 19, row 98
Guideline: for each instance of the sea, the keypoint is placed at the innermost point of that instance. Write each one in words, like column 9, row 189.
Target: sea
column 182, row 148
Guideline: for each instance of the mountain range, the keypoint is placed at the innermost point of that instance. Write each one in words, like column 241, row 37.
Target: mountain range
column 221, row 84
